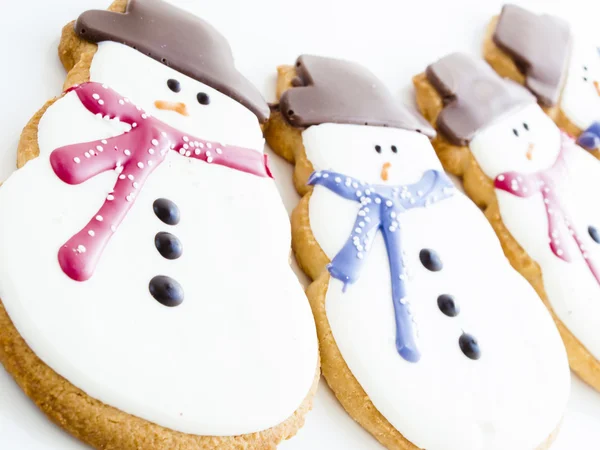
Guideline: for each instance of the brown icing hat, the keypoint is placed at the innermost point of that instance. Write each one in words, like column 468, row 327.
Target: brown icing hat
column 177, row 39
column 540, row 45
column 474, row 95
column 330, row 90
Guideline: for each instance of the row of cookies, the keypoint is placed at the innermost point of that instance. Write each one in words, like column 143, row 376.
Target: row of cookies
column 427, row 335
column 383, row 235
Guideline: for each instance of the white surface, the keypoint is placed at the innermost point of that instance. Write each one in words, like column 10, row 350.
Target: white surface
column 395, row 39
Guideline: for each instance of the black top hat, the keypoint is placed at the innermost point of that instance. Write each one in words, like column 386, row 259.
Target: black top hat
column 177, row 39
column 540, row 45
column 474, row 95
column 334, row 91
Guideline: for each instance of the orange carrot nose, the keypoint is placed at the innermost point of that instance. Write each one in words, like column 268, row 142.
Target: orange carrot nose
column 597, row 86
column 180, row 108
column 530, row 151
column 384, row 171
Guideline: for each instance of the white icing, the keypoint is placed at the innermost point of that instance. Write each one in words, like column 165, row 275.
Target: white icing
column 498, row 149
column 581, row 98
column 514, row 396
column 572, row 290
column 240, row 354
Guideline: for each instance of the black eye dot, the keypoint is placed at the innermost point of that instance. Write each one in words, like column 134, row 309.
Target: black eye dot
column 203, row 98
column 394, row 149
column 174, row 85
column 594, row 234
column 585, row 78
column 469, row 346
column 526, row 126
column 378, row 148
column 447, row 305
column 585, row 68
column 516, row 132
column 430, row 260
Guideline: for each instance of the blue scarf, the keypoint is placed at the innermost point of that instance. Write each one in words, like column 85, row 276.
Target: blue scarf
column 381, row 210
column 590, row 138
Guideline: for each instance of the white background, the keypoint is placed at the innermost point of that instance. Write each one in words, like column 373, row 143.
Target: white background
column 394, row 38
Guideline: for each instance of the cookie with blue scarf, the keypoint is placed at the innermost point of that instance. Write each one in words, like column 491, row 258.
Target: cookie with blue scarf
column 559, row 66
column 411, row 292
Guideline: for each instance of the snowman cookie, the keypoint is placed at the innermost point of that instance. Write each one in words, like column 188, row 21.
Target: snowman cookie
column 560, row 68
column 428, row 337
column 536, row 185
column 147, row 297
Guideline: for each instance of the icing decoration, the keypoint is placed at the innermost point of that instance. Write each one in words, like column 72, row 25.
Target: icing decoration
column 590, row 138
column 430, row 260
column 328, row 90
column 133, row 155
column 469, row 346
column 594, row 234
column 166, row 291
column 177, row 39
column 167, row 211
column 545, row 183
column 447, row 305
column 381, row 210
column 474, row 95
column 168, row 245
column 540, row 46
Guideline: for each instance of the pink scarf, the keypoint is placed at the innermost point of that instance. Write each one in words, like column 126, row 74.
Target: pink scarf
column 133, row 155
column 560, row 228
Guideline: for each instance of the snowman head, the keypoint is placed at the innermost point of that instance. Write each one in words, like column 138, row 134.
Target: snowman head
column 499, row 119
column 581, row 96
column 354, row 125
column 175, row 66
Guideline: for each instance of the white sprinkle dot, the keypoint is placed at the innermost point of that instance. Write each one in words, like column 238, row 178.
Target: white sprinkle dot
column 358, row 193
column 131, row 177
column 367, row 219
column 144, row 116
column 182, row 151
column 101, row 102
column 154, row 142
column 99, row 218
column 81, row 249
column 559, row 252
column 219, row 151
column 392, row 229
column 362, row 213
column 197, row 151
column 110, row 197
column 127, row 152
column 389, row 203
column 150, row 162
column 361, row 224
column 209, row 160
column 393, row 215
column 186, row 146
column 91, row 233
column 186, row 139
column 378, row 200
column 96, row 97
column 355, row 185
column 121, row 177
column 151, row 151
column 208, row 145
column 87, row 155
column 325, row 175
column 358, row 230
column 135, row 185
column 77, row 160
column 140, row 165
column 188, row 153
column 134, row 125
column 208, row 153
column 121, row 102
column 359, row 255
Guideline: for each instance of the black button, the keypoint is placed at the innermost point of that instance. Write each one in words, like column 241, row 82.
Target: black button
column 168, row 245
column 594, row 234
column 167, row 211
column 431, row 260
column 166, row 290
column 447, row 305
column 469, row 346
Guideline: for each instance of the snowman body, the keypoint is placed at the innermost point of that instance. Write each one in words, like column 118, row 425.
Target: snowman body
column 514, row 394
column 571, row 286
column 580, row 99
column 239, row 354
